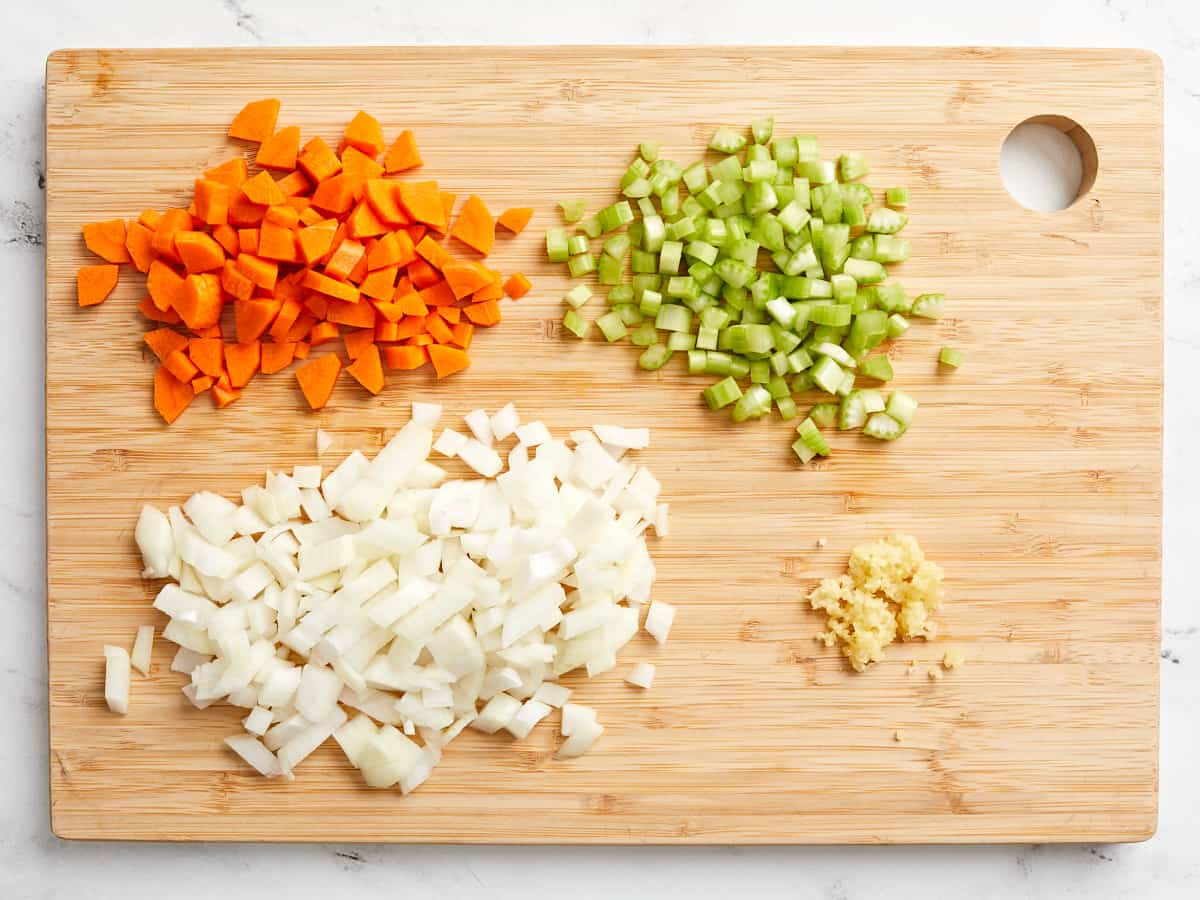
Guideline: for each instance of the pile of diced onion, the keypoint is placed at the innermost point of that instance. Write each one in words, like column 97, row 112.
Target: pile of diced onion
column 390, row 608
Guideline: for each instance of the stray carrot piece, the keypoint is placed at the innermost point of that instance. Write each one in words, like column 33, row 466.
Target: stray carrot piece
column 254, row 317
column 199, row 304
column 344, row 259
column 302, row 348
column 334, row 195
column 357, row 341
column 139, row 242
column 256, row 121
column 384, row 196
column 405, row 357
column 235, row 283
column 436, row 326
column 263, row 190
column 289, row 311
column 367, row 370
column 280, row 150
column 244, row 212
column 356, row 315
column 231, row 173
column 433, row 253
column 448, row 360
column 180, row 366
column 452, row 314
column 95, row 283
column 364, row 223
column 517, row 286
column 437, row 295
column 493, row 290
column 485, row 314
column 171, row 396
column 316, row 240
column 277, row 357
column 164, row 284
column 423, row 202
column 317, row 379
column 212, row 201
column 248, row 240
column 380, row 284
column 294, row 184
column 423, row 275
column 402, row 155
column 411, row 303
column 359, row 168
column 164, row 341
column 202, row 383
column 208, row 354
column 318, row 161
column 475, row 226
column 463, row 332
column 515, row 219
column 227, row 237
column 199, row 252
column 154, row 314
column 365, row 134
column 263, row 272
column 107, row 240
column 322, row 333
column 465, row 278
column 242, row 361
column 171, row 223
column 278, row 242
column 223, row 394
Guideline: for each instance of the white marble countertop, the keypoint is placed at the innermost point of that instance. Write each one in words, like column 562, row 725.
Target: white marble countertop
column 35, row 864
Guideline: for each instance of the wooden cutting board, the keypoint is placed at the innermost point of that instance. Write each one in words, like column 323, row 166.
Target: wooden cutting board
column 1033, row 474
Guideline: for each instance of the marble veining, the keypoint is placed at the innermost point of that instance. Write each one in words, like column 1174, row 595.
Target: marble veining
column 33, row 864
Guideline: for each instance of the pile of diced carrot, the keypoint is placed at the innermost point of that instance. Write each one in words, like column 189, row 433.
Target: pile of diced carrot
column 315, row 246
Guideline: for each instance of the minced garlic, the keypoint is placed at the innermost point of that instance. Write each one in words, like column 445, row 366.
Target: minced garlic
column 889, row 591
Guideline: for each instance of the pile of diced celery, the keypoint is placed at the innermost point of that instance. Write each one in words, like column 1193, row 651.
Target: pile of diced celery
column 768, row 269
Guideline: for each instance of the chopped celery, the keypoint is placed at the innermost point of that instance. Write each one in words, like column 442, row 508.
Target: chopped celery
column 639, row 168
column 811, row 435
column 669, row 258
column 644, row 335
column 753, row 404
column 653, row 234
column 802, row 382
column 891, row 297
column 670, row 200
column 886, row 221
column 718, row 363
column 852, row 166
column 697, row 360
column 901, row 407
column 872, row 400
column 785, row 339
column 578, row 295
column 929, row 306
column 865, row 271
column 728, row 169
column 761, row 170
column 836, row 353
column 683, row 286
column 629, row 313
column 853, row 412
column 807, row 147
column 645, row 282
column 644, row 262
column 817, row 171
column 576, row 324
column 738, row 366
column 890, row 249
column 591, row 226
column 882, row 427
column 836, row 315
column 681, row 228
column 896, row 197
column 639, row 187
column 556, row 245
column 948, row 356
column 896, row 325
column 844, row 286
column 863, row 246
column 856, row 192
column 781, row 311
column 750, row 338
column 610, row 270
column 714, row 318
column 651, row 303
column 760, row 371
column 760, row 197
column 784, row 150
column 799, row 360
column 853, row 212
column 803, row 451
column 620, row 293
column 777, row 387
column 824, row 414
column 695, row 177
column 787, row 407
column 847, row 384
column 613, row 217
column 611, row 326
column 827, row 375
column 877, row 367
column 761, row 129
column 581, row 264
column 726, row 140
column 648, row 150
column 706, row 337
column 678, row 340
column 617, row 246
column 672, row 317
column 573, row 210
column 722, row 393
column 701, row 250
column 654, row 357
column 576, row 244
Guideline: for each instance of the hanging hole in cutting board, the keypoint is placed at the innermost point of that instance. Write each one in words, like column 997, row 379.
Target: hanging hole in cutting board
column 1047, row 163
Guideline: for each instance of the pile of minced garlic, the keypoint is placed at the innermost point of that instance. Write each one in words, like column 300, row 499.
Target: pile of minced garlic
column 890, row 590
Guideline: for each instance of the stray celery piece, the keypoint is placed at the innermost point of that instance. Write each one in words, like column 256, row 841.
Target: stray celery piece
column 853, row 411
column 836, row 315
column 677, row 340
column 817, row 171
column 639, row 168
column 865, row 271
column 718, row 363
column 760, row 371
column 810, row 434
column 696, row 362
column 610, row 270
column 576, row 324
column 726, row 140
column 803, row 451
column 722, row 393
column 784, row 151
column 798, row 361
column 644, row 335
column 852, row 166
column 754, row 404
column 847, row 384
column 896, row 197
column 901, row 407
column 807, row 147
column 948, row 356
column 648, row 150
column 706, row 337
column 872, row 400
column 802, row 382
column 591, row 226
column 670, row 201
column 844, row 287
column 877, row 367
column 639, row 187
column 827, row 375
column 787, row 407
column 669, row 257
column 778, row 387
column 617, row 246
column 650, row 303
column 739, row 367
column 556, row 245
column 578, row 295
column 672, row 317
column 645, row 262
column 824, row 414
column 576, row 244
column 573, row 210
column 883, row 427
column 890, row 297
column 611, row 326
column 620, row 293
column 629, row 313
column 896, row 325
column 761, row 129
column 929, row 306
column 890, row 249
column 581, row 265
column 654, row 357
column 695, row 177
column 885, row 221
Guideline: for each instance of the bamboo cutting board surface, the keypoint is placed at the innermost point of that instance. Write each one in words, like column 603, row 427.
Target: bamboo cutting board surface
column 1032, row 475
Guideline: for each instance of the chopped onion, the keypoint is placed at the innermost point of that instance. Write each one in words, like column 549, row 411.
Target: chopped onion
column 324, row 442
column 116, row 679
column 505, row 422
column 641, row 675
column 659, row 620
column 251, row 749
column 143, row 646
column 450, row 442
column 481, row 426
column 426, row 414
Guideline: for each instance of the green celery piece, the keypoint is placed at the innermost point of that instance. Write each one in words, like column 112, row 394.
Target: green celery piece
column 722, row 393
column 852, row 166
column 777, row 387
column 750, row 338
column 576, row 244
column 758, row 153
column 576, row 324
column 787, row 408
column 726, row 140
column 827, row 200
column 644, row 335
column 578, row 295
column 613, row 217
column 733, row 296
column 691, row 207
column 853, row 213
column 827, row 375
column 636, row 232
column 639, row 187
column 739, row 366
column 824, row 415
column 639, row 168
column 620, row 293
column 654, row 357
column 650, row 303
column 573, row 210
column 836, row 315
column 743, row 250
column 760, row 371
column 872, row 400
column 781, row 311
column 844, row 287
column 707, row 337
column 863, row 247
column 836, row 353
column 617, row 246
column 890, row 297
column 802, row 191
column 646, row 207
column 857, row 192
column 735, row 273
column 591, row 226
column 672, row 317
column 761, row 129
column 896, row 197
column 610, row 270
column 802, row 382
column 713, row 231
column 680, row 228
column 832, row 334
column 702, row 272
column 643, row 282
column 769, row 232
column 644, row 262
column 807, row 147
column 896, row 325
column 865, row 271
column 929, row 306
column 799, row 361
column 648, row 150
column 696, row 362
column 611, row 326
column 882, row 427
column 556, row 245
column 695, row 177
column 714, row 318
column 629, row 313
column 677, row 340
column 581, row 265
column 710, row 198
column 779, row 363
column 653, row 234
column 669, row 258
column 659, row 184
column 785, row 340
column 728, row 169
column 803, row 451
column 719, row 363
column 761, row 170
column 847, row 384
column 890, row 249
column 885, row 221
column 683, row 286
column 817, row 171
column 785, row 193
column 785, row 151
column 753, row 404
column 670, row 200
column 793, row 217
column 668, row 169
column 948, row 356
column 853, row 412
column 810, row 434
column 760, row 198
column 901, row 407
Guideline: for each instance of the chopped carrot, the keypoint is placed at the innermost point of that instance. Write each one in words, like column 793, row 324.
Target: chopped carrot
column 493, row 290
column 438, row 294
column 208, row 354
column 278, row 242
column 180, row 366
column 154, row 314
column 485, row 314
column 309, row 216
column 223, row 394
column 280, row 150
column 263, row 191
column 294, row 184
column 317, row 304
column 386, row 332
column 447, row 360
column 410, row 326
column 365, row 134
column 316, row 240
column 318, row 161
column 289, row 311
column 323, row 333
column 256, row 121
column 242, row 361
column 139, row 242
column 402, row 155
column 451, row 314
column 277, row 357
column 150, row 218
column 164, row 284
column 475, row 226
column 422, row 274
column 359, row 168
column 405, row 357
column 209, row 331
column 212, row 201
column 465, row 278
column 411, row 304
column 107, row 240
column 317, row 379
column 334, row 195
column 248, row 241
column 364, row 223
column 231, row 173
column 357, row 315
column 447, row 209
column 423, row 202
column 343, row 260
column 283, row 216
column 235, row 283
column 357, row 341
column 383, row 252
column 384, row 196
column 95, row 283
column 227, row 237
column 380, row 284
column 437, row 327
column 199, row 252
column 244, row 212
column 172, row 222
column 517, row 286
column 515, row 219
column 202, row 383
column 463, row 333
column 263, row 272
column 433, row 253
column 164, row 341
column 302, row 349
column 254, row 317
column 302, row 327
column 171, row 396
column 390, row 311
column 199, row 304
column 367, row 370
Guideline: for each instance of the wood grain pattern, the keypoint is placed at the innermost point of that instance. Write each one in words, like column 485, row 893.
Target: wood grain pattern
column 1033, row 475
